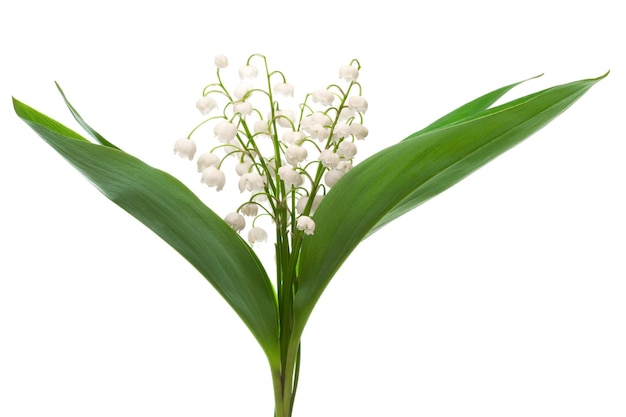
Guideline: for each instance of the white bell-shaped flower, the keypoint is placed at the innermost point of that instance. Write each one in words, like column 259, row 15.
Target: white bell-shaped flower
column 293, row 138
column 342, row 130
column 348, row 73
column 250, row 210
column 284, row 118
column 248, row 71
column 242, row 90
column 244, row 108
column 358, row 104
column 262, row 127
column 208, row 159
column 323, row 96
column 295, row 154
column 185, row 148
column 206, row 104
column 346, row 150
column 302, row 202
column 346, row 114
column 332, row 176
column 225, row 131
column 221, row 61
column 213, row 177
column 251, row 181
column 243, row 167
column 257, row 234
column 306, row 224
column 236, row 221
column 329, row 158
column 284, row 89
column 359, row 131
column 290, row 177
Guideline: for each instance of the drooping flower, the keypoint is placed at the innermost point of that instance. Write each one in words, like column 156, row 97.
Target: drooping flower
column 225, row 131
column 185, row 148
column 290, row 177
column 346, row 150
column 248, row 71
column 329, row 158
column 323, row 96
column 257, row 234
column 250, row 209
column 358, row 104
column 303, row 201
column 284, row 118
column 284, row 89
column 244, row 108
column 236, row 221
column 348, row 73
column 242, row 90
column 295, row 154
column 206, row 104
column 342, row 130
column 213, row 177
column 359, row 131
column 221, row 61
column 251, row 181
column 293, row 137
column 208, row 159
column 262, row 127
column 243, row 166
column 306, row 224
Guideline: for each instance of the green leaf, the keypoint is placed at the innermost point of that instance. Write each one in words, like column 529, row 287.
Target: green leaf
column 399, row 178
column 175, row 214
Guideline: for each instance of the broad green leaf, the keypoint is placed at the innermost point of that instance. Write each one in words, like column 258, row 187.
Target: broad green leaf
column 175, row 214
column 405, row 175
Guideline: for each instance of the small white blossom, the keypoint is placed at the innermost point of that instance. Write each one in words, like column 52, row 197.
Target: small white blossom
column 221, row 61
column 256, row 234
column 346, row 150
column 284, row 89
column 243, row 166
column 295, row 154
column 290, row 177
column 348, row 73
column 319, row 132
column 302, row 202
column 346, row 114
column 262, row 127
column 248, row 71
column 208, row 159
column 242, row 90
column 332, row 176
column 306, row 224
column 359, row 131
column 236, row 221
column 242, row 107
column 225, row 131
column 251, row 181
column 250, row 210
column 213, row 177
column 323, row 96
column 358, row 104
column 284, row 118
column 206, row 104
column 329, row 158
column 293, row 138
column 185, row 148
column 342, row 130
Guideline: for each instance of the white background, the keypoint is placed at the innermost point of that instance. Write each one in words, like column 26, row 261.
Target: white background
column 504, row 296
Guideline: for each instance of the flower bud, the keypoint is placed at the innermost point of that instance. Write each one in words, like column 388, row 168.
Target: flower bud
column 348, row 73
column 225, row 131
column 306, row 224
column 358, row 104
column 256, row 234
column 213, row 177
column 243, row 167
column 221, row 61
column 208, row 159
column 206, row 104
column 236, row 221
column 185, row 148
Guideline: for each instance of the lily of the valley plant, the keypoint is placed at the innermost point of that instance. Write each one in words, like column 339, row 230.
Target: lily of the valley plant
column 301, row 189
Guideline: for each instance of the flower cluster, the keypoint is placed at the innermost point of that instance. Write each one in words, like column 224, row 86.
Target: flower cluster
column 286, row 157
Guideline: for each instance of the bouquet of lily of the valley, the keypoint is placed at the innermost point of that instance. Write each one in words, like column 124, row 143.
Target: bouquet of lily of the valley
column 294, row 162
